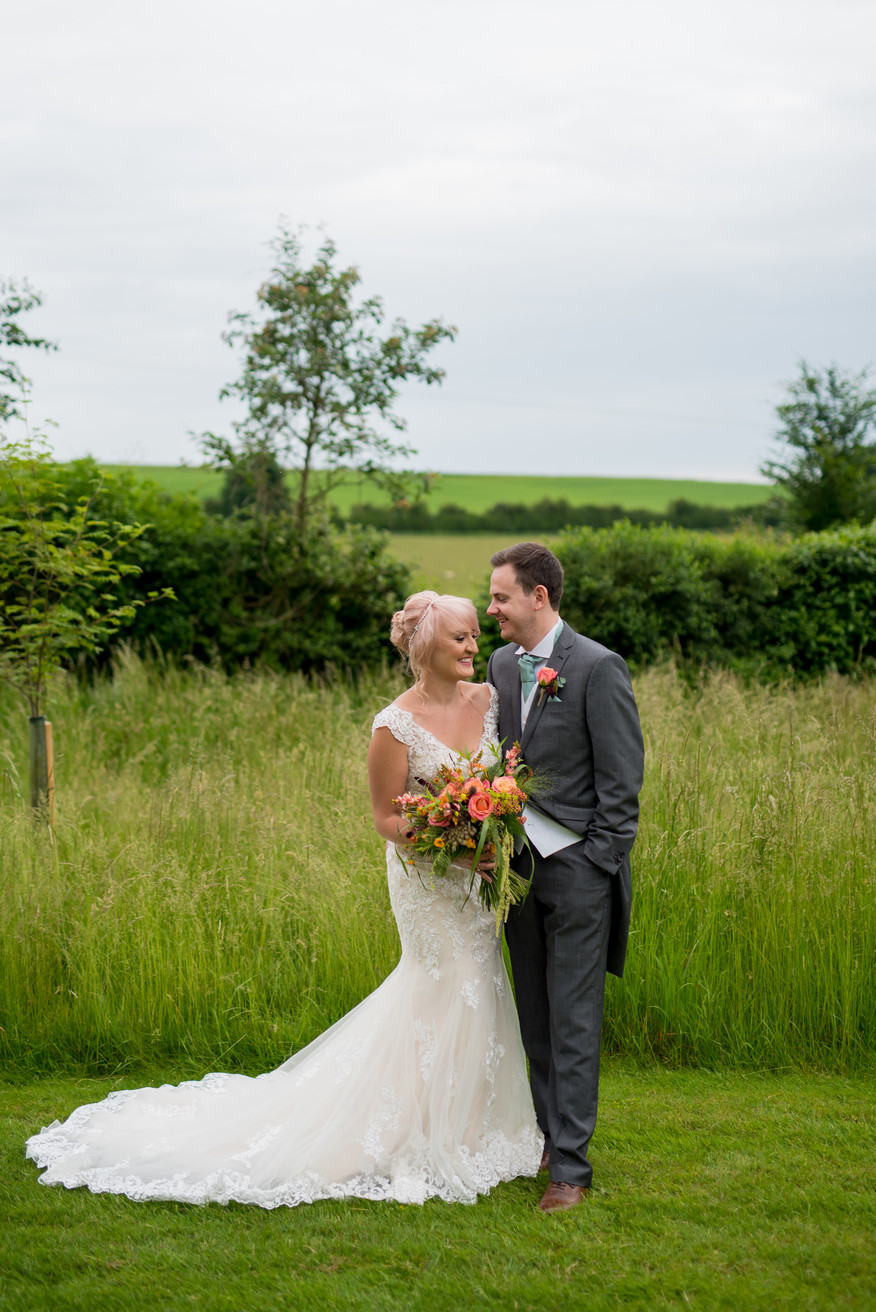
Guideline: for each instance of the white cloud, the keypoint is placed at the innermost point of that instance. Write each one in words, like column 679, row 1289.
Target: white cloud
column 639, row 216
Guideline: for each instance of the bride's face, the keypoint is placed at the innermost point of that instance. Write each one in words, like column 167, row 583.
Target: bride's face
column 452, row 656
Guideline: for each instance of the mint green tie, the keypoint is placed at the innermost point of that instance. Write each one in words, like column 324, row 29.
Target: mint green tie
column 527, row 663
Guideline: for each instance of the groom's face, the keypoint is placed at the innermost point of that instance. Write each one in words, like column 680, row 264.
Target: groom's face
column 517, row 612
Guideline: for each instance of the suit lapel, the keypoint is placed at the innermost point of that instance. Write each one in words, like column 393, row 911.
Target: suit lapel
column 512, row 691
column 505, row 673
column 556, row 661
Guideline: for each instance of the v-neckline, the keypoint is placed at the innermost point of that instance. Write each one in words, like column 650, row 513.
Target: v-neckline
column 440, row 741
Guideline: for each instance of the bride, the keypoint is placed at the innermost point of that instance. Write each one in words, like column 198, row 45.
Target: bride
column 421, row 1090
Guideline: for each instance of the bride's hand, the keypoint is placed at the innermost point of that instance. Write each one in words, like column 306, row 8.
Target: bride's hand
column 485, row 867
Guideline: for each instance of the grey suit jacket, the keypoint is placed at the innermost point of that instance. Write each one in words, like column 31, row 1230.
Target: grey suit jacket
column 588, row 746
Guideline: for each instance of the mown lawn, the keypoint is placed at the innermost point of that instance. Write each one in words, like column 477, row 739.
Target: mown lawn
column 712, row 1191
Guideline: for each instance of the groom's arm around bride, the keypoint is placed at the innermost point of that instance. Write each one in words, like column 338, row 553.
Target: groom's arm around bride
column 581, row 733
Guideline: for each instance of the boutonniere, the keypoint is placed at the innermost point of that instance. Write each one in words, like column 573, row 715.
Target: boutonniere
column 549, row 682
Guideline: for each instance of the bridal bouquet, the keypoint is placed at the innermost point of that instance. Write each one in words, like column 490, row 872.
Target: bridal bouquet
column 473, row 810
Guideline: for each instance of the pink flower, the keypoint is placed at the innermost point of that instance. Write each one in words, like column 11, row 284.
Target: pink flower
column 546, row 676
column 480, row 805
column 441, row 809
column 408, row 799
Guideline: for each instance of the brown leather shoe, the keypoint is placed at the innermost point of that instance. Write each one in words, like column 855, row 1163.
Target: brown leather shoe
column 559, row 1196
column 545, row 1160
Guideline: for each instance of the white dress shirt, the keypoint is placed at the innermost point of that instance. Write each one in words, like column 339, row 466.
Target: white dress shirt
column 546, row 835
column 542, row 650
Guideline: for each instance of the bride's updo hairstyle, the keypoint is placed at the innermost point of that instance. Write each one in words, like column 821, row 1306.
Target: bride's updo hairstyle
column 416, row 628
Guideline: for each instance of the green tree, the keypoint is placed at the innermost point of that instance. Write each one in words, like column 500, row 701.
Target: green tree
column 319, row 379
column 16, row 299
column 59, row 569
column 829, row 466
column 254, row 485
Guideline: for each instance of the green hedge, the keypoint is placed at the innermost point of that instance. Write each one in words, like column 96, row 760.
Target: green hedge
column 249, row 590
column 752, row 603
column 553, row 515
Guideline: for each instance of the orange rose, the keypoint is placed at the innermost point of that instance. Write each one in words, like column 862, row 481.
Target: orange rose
column 504, row 784
column 472, row 786
column 480, row 805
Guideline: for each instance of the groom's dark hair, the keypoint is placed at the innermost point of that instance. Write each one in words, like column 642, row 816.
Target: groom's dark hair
column 533, row 565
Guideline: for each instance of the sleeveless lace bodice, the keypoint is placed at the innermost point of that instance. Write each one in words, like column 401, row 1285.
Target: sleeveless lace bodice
column 426, row 753
column 441, row 921
column 419, row 1092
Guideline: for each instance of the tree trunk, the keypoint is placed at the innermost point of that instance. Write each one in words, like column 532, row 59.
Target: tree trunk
column 42, row 768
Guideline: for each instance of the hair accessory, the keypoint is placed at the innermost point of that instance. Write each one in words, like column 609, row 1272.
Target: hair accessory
column 420, row 620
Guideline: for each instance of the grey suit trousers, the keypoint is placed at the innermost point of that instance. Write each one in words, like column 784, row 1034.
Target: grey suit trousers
column 587, row 745
column 558, row 942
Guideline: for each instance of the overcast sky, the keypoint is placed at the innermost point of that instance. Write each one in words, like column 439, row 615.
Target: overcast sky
column 640, row 216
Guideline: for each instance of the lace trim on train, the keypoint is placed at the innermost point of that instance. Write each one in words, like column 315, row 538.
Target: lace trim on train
column 413, row 1178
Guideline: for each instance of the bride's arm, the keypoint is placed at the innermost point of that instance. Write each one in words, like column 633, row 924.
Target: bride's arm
column 387, row 778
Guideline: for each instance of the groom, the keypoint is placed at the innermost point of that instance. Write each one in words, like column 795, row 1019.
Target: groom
column 581, row 734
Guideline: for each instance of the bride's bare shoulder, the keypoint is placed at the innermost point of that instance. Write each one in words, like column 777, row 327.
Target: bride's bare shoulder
column 408, row 700
column 480, row 694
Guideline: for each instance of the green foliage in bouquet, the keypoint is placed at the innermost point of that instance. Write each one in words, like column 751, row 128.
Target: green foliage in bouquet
column 473, row 811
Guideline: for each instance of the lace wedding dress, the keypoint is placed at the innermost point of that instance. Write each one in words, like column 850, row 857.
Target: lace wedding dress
column 419, row 1092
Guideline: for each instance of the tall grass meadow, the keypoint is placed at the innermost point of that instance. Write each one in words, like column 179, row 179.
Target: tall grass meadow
column 213, row 894
column 754, row 930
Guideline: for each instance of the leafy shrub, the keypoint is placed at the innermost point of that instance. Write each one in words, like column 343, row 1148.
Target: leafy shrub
column 751, row 603
column 253, row 483
column 638, row 590
column 248, row 589
column 826, row 606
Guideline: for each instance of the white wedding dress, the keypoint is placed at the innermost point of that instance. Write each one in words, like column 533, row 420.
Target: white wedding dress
column 419, row 1092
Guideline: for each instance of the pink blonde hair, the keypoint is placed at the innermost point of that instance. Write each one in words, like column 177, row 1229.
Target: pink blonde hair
column 415, row 628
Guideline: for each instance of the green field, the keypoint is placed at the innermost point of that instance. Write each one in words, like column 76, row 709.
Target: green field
column 448, row 562
column 477, row 492
column 175, row 478
column 214, row 896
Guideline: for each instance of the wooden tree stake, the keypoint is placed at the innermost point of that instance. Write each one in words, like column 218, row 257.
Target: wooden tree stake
column 42, row 767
